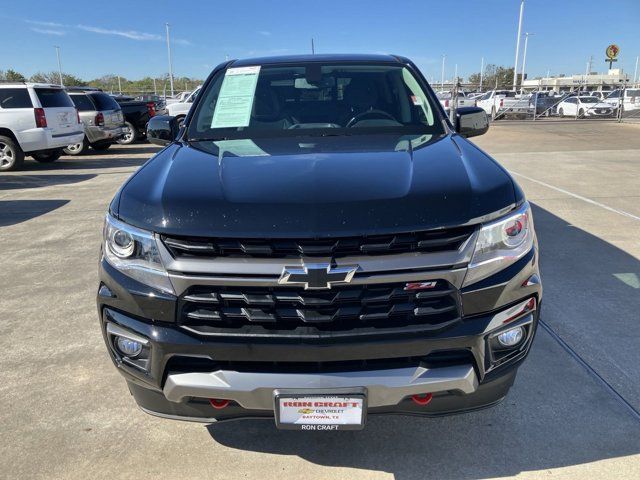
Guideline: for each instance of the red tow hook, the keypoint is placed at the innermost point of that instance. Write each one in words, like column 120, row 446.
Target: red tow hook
column 422, row 399
column 219, row 403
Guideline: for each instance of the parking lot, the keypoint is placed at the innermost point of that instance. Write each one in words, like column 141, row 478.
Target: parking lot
column 573, row 412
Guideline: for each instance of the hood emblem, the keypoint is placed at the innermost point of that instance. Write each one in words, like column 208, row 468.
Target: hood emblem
column 317, row 275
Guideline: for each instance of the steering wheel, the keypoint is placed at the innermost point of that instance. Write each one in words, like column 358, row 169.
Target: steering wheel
column 360, row 116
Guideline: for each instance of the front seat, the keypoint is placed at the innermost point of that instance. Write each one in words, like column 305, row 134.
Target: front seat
column 267, row 110
column 359, row 96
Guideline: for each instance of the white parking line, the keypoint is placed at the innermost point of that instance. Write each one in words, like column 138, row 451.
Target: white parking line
column 580, row 197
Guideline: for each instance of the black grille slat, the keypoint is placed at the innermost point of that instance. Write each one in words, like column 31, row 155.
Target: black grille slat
column 426, row 241
column 295, row 312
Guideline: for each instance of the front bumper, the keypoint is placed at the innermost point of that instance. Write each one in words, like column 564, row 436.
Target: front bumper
column 182, row 370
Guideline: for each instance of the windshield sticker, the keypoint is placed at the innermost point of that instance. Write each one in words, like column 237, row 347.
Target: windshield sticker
column 233, row 108
column 416, row 100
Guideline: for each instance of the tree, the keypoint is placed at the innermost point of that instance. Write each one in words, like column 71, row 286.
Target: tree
column 11, row 76
column 53, row 77
column 494, row 77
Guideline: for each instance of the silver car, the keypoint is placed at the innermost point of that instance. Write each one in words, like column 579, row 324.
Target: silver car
column 102, row 118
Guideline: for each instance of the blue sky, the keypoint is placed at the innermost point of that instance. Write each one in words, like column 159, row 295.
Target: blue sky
column 127, row 37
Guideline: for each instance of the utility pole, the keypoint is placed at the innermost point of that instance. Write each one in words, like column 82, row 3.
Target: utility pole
column 60, row 64
column 155, row 88
column 119, row 86
column 313, row 48
column 524, row 60
column 515, row 67
column 481, row 72
column 442, row 73
column 635, row 73
column 455, row 75
column 170, row 62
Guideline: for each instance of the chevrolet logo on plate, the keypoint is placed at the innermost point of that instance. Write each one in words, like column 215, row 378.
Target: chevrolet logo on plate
column 316, row 276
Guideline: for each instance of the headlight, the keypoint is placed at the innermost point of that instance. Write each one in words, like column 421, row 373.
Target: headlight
column 501, row 243
column 134, row 252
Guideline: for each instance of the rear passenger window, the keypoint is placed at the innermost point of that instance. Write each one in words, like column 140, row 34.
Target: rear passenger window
column 104, row 101
column 53, row 97
column 82, row 102
column 15, row 98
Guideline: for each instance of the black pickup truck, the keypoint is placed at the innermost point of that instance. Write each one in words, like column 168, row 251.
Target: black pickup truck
column 136, row 115
column 316, row 244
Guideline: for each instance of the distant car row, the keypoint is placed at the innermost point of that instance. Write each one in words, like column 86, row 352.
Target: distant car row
column 43, row 121
column 508, row 103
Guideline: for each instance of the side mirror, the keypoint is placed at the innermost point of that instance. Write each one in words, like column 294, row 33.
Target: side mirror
column 471, row 121
column 162, row 130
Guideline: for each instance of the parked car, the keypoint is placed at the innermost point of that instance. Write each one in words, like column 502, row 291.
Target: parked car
column 180, row 109
column 584, row 106
column 446, row 100
column 504, row 103
column 159, row 103
column 35, row 119
column 102, row 118
column 628, row 99
column 543, row 103
column 136, row 116
column 318, row 235
column 179, row 98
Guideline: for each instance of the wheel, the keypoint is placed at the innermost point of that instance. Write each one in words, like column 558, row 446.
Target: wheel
column 77, row 148
column 47, row 156
column 180, row 121
column 11, row 155
column 101, row 147
column 580, row 113
column 493, row 113
column 561, row 112
column 130, row 136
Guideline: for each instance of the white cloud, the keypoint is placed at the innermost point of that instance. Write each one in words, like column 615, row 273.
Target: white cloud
column 44, row 24
column 131, row 34
column 181, row 41
column 47, row 31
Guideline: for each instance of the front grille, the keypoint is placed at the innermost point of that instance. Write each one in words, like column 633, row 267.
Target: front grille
column 344, row 311
column 424, row 242
column 437, row 359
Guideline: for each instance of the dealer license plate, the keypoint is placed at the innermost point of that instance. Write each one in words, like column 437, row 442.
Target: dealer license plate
column 320, row 412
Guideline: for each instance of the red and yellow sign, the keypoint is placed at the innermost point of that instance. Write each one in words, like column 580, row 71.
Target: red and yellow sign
column 612, row 51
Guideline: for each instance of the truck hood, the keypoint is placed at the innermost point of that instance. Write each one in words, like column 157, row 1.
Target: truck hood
column 314, row 186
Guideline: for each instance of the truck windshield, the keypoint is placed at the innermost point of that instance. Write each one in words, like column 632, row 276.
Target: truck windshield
column 313, row 99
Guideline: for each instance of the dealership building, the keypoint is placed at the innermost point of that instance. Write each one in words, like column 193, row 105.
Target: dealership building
column 615, row 78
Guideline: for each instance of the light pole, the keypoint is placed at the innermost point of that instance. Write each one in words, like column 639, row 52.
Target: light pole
column 442, row 73
column 170, row 62
column 515, row 66
column 635, row 73
column 524, row 60
column 59, row 64
column 481, row 72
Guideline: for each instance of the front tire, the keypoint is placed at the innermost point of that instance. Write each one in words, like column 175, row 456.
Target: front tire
column 77, row 148
column 47, row 157
column 130, row 136
column 180, row 121
column 493, row 113
column 11, row 155
column 580, row 113
column 561, row 112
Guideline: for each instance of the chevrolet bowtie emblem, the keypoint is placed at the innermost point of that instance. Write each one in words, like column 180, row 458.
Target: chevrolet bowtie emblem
column 316, row 276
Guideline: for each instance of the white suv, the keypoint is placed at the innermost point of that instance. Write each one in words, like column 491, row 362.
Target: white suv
column 35, row 119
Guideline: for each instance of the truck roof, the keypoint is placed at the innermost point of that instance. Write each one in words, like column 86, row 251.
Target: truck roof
column 337, row 57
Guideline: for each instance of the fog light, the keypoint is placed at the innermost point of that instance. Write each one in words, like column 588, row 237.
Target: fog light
column 511, row 337
column 128, row 347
